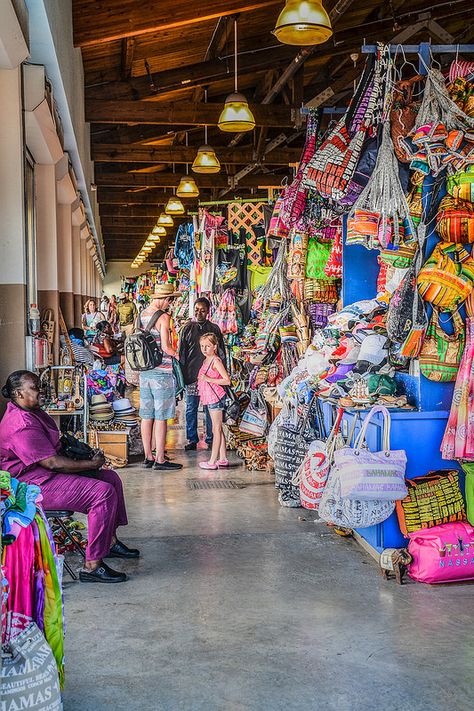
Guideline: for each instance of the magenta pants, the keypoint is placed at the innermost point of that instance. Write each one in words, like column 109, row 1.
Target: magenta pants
column 100, row 497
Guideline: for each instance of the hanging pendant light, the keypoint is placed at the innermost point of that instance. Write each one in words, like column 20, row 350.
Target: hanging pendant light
column 158, row 231
column 236, row 115
column 149, row 243
column 174, row 206
column 303, row 22
column 187, row 187
column 147, row 250
column 206, row 160
column 165, row 220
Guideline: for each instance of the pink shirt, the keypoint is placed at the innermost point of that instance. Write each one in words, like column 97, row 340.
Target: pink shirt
column 27, row 437
column 210, row 393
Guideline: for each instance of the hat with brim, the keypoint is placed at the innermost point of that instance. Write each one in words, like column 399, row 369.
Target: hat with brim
column 164, row 291
column 98, row 399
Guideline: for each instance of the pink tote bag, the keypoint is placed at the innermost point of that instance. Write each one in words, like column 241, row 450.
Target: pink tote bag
column 442, row 554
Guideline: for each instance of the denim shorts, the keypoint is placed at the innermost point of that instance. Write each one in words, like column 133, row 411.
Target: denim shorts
column 220, row 405
column 157, row 395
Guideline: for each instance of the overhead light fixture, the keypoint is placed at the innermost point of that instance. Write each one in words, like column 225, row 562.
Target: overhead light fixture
column 187, row 187
column 134, row 266
column 149, row 243
column 236, row 116
column 165, row 220
column 206, row 160
column 147, row 250
column 159, row 231
column 303, row 22
column 174, row 206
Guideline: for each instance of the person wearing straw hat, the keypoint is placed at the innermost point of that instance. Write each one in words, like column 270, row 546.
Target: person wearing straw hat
column 157, row 386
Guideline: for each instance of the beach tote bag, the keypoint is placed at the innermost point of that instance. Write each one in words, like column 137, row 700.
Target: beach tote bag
column 442, row 554
column 254, row 421
column 431, row 500
column 334, row 163
column 455, row 220
column 350, row 513
column 441, row 353
column 29, row 675
column 366, row 475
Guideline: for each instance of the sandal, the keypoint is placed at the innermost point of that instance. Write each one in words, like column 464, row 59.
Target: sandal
column 207, row 465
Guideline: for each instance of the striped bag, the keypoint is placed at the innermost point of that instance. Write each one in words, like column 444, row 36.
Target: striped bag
column 441, row 353
column 432, row 500
column 455, row 220
column 446, row 278
column 461, row 185
column 296, row 193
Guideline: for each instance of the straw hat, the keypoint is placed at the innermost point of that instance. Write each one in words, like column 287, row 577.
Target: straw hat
column 98, row 400
column 164, row 291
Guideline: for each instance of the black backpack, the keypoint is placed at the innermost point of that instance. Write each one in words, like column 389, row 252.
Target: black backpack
column 141, row 349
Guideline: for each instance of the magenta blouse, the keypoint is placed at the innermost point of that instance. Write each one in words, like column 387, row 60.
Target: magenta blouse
column 209, row 393
column 27, row 437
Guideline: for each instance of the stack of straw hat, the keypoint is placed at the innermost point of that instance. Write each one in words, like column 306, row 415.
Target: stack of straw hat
column 125, row 412
column 100, row 410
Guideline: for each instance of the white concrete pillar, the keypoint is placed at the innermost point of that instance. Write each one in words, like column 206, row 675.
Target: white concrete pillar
column 76, row 273
column 65, row 266
column 13, row 307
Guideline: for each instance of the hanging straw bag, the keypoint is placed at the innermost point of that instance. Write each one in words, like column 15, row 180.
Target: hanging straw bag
column 296, row 193
column 366, row 475
column 441, row 353
column 461, row 184
column 446, row 278
column 403, row 115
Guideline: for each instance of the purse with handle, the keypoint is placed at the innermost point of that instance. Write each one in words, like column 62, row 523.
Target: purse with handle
column 431, row 500
column 441, row 352
column 366, row 475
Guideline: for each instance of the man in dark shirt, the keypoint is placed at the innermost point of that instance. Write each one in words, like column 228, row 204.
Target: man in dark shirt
column 191, row 360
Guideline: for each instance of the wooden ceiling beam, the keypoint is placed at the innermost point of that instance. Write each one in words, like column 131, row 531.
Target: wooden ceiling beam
column 97, row 23
column 179, row 113
column 128, row 48
column 171, row 180
column 143, row 197
column 114, row 153
column 132, row 211
column 207, row 72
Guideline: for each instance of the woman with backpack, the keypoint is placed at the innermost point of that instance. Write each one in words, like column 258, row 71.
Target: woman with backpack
column 157, row 386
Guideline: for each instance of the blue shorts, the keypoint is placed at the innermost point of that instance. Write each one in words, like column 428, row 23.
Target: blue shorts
column 218, row 405
column 157, row 395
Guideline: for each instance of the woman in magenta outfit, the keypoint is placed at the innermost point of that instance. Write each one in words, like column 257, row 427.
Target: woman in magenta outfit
column 30, row 450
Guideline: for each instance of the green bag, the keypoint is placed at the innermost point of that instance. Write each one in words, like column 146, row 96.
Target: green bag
column 441, row 353
column 317, row 258
column 461, row 185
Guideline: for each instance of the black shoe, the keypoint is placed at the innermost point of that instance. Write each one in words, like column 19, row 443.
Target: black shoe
column 167, row 466
column 120, row 550
column 190, row 447
column 148, row 463
column 102, row 574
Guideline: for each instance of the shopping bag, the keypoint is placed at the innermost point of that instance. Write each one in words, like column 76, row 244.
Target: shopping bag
column 432, row 500
column 366, row 475
column 442, row 554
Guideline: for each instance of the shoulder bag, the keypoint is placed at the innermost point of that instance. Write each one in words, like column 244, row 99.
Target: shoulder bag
column 441, row 352
column 366, row 475
column 254, row 421
column 431, row 500
column 455, row 220
column 446, row 278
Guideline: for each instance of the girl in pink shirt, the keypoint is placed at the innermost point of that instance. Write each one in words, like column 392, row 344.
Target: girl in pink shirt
column 211, row 381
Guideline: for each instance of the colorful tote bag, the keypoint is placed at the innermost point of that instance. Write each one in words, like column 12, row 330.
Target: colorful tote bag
column 296, row 193
column 446, row 278
column 432, row 500
column 461, row 185
column 442, row 554
column 455, row 220
column 333, row 165
column 317, row 258
column 441, row 353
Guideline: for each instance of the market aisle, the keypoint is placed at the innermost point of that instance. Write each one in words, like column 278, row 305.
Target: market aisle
column 237, row 604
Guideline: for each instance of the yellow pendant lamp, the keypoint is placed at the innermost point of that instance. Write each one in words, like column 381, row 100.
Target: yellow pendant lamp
column 165, row 220
column 206, row 160
column 149, row 243
column 187, row 187
column 174, row 206
column 303, row 22
column 236, row 115
column 158, row 231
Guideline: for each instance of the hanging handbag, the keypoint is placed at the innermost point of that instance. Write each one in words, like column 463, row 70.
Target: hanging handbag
column 443, row 554
column 403, row 115
column 431, row 500
column 441, row 353
column 296, row 193
column 29, row 674
column 255, row 418
column 446, row 278
column 316, row 258
column 455, row 220
column 366, row 475
column 406, row 310
column 461, row 184
column 334, row 163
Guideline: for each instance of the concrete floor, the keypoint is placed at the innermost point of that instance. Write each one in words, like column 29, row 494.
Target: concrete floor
column 239, row 605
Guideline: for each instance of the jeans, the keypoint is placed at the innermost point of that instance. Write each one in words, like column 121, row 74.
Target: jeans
column 192, row 407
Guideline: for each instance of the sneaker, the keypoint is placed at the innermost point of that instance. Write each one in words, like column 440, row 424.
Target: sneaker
column 148, row 463
column 167, row 466
column 190, row 447
column 207, row 465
